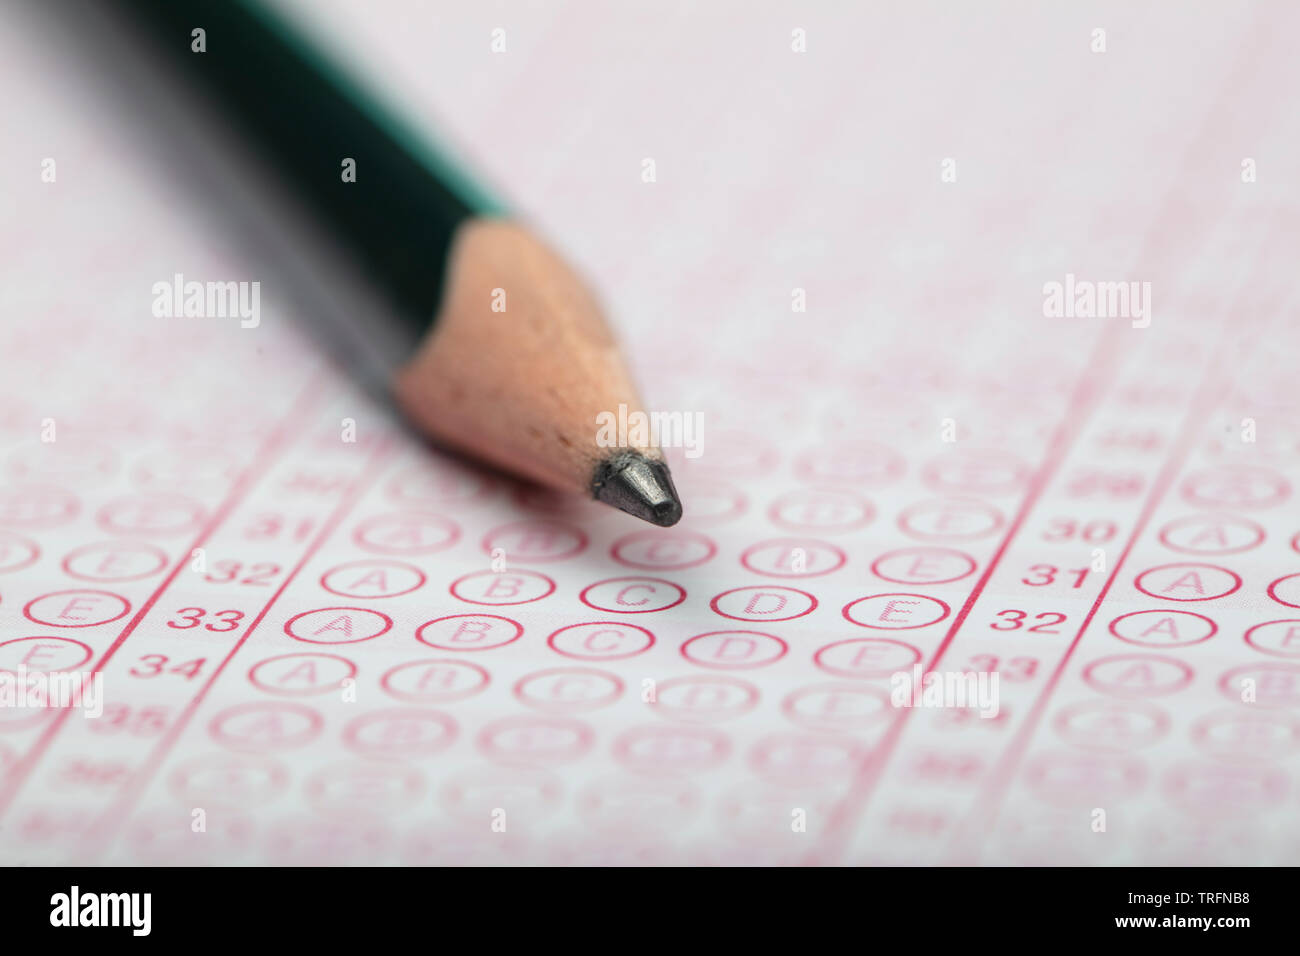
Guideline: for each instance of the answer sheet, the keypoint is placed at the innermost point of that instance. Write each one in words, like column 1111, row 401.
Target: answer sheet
column 987, row 313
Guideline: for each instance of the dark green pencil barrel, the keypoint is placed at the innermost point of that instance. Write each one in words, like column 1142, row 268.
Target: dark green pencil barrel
column 396, row 215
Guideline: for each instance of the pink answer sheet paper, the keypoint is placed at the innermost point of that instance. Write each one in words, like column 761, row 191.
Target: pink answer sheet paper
column 874, row 235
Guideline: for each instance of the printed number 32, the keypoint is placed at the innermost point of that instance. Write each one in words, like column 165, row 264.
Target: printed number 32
column 1014, row 620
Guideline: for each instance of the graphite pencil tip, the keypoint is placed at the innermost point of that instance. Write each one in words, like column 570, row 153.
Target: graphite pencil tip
column 641, row 486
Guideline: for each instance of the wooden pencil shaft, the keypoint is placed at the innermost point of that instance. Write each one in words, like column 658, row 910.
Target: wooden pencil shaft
column 519, row 383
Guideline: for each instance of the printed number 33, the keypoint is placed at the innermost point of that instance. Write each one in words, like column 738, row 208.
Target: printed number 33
column 193, row 616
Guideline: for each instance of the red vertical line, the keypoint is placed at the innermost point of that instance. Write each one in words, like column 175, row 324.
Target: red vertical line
column 1206, row 398
column 100, row 829
column 262, row 460
column 1085, row 393
column 1019, row 744
column 869, row 773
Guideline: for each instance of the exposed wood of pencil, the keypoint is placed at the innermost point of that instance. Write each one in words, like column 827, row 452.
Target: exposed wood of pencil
column 520, row 387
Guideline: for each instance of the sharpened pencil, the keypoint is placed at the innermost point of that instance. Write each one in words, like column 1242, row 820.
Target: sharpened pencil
column 514, row 362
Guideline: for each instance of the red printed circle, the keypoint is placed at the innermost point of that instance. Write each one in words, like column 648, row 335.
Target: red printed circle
column 303, row 668
column 836, row 707
column 17, row 552
column 148, row 515
column 1110, row 725
column 1190, row 580
column 1236, row 486
column 45, row 655
column 114, row 561
column 793, row 558
column 866, row 657
column 1161, row 629
column 186, row 467
column 406, row 533
column 41, row 507
column 734, row 650
column 978, row 472
column 372, row 579
column 358, row 789
column 1211, row 534
column 533, row 541
column 950, row 519
column 1286, row 590
column 1271, row 685
column 704, row 698
column 400, row 732
column 1215, row 790
column 263, row 726
column 233, row 781
column 76, row 608
column 821, row 510
column 434, row 681
column 895, row 612
column 601, row 641
column 1242, row 735
column 1063, row 776
column 502, row 588
column 438, row 484
column 344, row 625
column 923, row 566
column 862, row 464
column 633, row 595
column 470, row 632
column 62, row 461
column 568, row 690
column 737, row 453
column 1270, row 638
column 659, row 750
column 743, row 604
column 525, row 793
column 1137, row 675
column 532, row 739
column 663, row 550
column 804, row 760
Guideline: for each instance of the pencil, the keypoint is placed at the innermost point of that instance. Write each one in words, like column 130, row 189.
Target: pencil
column 513, row 362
